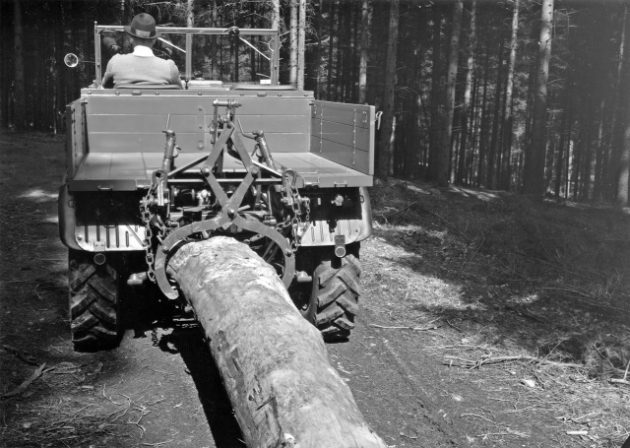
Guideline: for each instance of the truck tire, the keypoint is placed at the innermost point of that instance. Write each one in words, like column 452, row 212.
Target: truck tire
column 94, row 303
column 337, row 292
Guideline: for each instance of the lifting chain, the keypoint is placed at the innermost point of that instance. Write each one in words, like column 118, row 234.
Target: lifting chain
column 300, row 207
column 151, row 220
column 146, row 215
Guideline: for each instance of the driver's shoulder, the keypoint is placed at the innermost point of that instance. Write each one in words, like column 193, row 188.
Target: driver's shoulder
column 163, row 61
column 118, row 58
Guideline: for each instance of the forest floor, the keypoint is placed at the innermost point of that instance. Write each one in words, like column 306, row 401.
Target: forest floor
column 487, row 320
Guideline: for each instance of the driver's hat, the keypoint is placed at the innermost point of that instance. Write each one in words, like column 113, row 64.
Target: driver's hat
column 142, row 26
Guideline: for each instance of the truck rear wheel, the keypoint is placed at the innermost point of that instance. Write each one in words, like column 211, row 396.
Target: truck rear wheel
column 94, row 303
column 336, row 290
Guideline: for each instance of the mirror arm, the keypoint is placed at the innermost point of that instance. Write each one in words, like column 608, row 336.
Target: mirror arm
column 171, row 44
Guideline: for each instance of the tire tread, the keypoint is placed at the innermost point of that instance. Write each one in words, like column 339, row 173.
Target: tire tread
column 338, row 292
column 94, row 300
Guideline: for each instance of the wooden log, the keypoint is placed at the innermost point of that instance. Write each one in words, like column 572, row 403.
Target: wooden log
column 274, row 364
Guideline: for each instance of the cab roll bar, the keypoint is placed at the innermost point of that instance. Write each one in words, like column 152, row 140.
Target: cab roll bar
column 270, row 32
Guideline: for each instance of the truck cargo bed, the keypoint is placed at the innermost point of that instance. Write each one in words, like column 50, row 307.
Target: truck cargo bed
column 131, row 171
column 118, row 140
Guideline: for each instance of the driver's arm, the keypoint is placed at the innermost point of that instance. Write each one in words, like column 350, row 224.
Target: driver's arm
column 108, row 77
column 174, row 74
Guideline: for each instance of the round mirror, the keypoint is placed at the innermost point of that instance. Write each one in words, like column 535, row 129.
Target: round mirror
column 71, row 60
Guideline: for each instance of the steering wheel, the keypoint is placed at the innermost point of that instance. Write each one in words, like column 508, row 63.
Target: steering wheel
column 164, row 53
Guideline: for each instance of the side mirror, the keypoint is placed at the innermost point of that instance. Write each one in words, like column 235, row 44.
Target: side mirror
column 72, row 60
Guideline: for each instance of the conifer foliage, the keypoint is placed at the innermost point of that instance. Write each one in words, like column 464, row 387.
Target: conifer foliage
column 515, row 95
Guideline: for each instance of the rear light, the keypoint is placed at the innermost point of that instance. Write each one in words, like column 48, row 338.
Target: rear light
column 99, row 259
column 340, row 246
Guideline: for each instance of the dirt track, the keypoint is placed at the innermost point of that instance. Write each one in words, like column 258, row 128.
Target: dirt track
column 156, row 389
column 161, row 389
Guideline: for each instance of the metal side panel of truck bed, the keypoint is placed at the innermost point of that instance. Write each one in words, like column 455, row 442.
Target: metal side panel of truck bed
column 117, row 139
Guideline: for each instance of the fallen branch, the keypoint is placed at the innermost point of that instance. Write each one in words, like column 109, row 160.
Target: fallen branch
column 475, row 364
column 619, row 381
column 119, row 412
column 386, row 327
column 507, row 432
column 22, row 387
column 143, row 411
column 22, row 356
column 577, row 433
column 157, row 443
column 482, row 417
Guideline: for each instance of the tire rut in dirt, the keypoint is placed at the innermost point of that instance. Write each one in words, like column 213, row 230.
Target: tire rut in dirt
column 337, row 291
column 94, row 303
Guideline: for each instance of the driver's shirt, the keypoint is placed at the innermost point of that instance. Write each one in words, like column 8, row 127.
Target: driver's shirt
column 140, row 68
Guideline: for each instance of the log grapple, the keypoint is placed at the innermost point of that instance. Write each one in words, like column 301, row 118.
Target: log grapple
column 264, row 209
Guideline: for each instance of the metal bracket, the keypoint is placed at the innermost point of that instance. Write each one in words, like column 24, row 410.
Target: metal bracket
column 226, row 139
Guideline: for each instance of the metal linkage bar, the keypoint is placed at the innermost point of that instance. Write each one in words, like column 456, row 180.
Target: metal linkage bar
column 189, row 32
column 195, row 30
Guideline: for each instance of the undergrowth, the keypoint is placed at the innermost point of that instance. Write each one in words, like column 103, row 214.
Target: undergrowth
column 527, row 303
column 563, row 266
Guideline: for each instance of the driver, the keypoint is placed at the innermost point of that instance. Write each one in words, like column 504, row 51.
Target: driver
column 141, row 67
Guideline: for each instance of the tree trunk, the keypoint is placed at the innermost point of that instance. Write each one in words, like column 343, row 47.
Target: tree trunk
column 585, row 147
column 316, row 67
column 385, row 147
column 535, row 156
column 332, row 32
column 483, row 123
column 341, row 72
column 442, row 170
column 274, row 364
column 353, row 56
column 301, row 44
column 563, row 146
column 364, row 47
column 618, row 111
column 509, row 90
column 19, row 97
column 293, row 42
column 436, row 97
column 600, row 154
column 4, row 94
column 190, row 22
column 469, row 170
column 468, row 89
column 624, row 163
column 491, row 173
column 60, row 94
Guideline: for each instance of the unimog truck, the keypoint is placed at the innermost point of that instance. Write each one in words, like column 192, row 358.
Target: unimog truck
column 150, row 168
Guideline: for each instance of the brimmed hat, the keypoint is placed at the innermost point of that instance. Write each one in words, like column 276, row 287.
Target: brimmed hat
column 142, row 26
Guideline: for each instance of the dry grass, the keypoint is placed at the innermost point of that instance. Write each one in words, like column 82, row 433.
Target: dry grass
column 528, row 303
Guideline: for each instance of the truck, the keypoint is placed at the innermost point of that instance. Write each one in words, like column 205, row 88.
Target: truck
column 235, row 153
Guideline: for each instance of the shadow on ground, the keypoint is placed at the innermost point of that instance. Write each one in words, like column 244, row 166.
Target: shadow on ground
column 548, row 278
column 53, row 397
column 216, row 404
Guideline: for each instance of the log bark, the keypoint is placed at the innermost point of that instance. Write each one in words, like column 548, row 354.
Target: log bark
column 273, row 363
